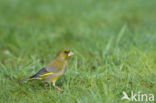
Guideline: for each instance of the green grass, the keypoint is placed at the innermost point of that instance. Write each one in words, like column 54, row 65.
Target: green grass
column 114, row 42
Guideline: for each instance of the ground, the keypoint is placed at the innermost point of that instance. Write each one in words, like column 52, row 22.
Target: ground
column 114, row 42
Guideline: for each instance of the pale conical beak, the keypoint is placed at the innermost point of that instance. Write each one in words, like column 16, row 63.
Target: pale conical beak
column 70, row 54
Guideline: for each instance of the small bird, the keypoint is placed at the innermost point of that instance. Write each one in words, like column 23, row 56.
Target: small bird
column 53, row 71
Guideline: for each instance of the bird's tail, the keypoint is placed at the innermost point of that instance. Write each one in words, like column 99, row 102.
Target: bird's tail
column 30, row 78
column 25, row 80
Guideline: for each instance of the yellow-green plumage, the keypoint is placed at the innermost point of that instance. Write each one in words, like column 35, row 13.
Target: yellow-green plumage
column 53, row 71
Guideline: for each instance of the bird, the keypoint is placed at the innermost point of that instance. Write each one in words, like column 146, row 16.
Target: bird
column 53, row 71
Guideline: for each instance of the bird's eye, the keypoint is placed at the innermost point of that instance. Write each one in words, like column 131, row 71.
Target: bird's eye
column 66, row 52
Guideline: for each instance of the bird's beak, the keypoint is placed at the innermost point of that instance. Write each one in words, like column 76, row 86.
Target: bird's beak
column 70, row 54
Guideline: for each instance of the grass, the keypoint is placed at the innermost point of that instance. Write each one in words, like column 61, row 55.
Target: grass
column 114, row 44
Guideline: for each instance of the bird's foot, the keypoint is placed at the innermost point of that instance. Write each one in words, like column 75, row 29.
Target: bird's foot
column 58, row 89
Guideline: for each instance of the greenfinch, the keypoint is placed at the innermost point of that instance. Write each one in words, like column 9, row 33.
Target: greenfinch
column 53, row 71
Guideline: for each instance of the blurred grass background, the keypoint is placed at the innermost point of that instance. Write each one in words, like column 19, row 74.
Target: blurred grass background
column 114, row 42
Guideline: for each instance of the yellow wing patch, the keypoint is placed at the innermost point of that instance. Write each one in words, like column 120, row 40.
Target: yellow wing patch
column 44, row 75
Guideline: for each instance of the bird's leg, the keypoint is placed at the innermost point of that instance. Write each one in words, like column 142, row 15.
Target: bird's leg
column 56, row 86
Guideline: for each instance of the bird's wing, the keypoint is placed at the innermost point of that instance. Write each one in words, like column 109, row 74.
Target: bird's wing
column 53, row 70
column 40, row 73
column 44, row 72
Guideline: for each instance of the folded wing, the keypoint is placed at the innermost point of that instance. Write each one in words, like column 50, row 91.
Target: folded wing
column 44, row 72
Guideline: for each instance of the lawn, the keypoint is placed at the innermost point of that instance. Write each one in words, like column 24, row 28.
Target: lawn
column 114, row 42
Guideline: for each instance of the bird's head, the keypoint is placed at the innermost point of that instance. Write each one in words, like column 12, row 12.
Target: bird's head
column 64, row 55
